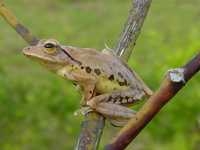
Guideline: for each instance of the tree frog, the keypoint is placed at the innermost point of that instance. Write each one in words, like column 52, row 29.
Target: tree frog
column 107, row 84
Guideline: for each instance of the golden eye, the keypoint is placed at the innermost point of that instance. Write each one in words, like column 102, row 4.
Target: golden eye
column 50, row 47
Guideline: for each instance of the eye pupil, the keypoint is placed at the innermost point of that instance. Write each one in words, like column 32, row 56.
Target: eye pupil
column 49, row 45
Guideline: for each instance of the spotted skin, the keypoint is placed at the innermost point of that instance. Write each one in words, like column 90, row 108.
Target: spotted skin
column 107, row 84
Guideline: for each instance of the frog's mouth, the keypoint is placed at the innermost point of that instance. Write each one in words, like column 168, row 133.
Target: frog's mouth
column 40, row 57
column 50, row 63
column 47, row 62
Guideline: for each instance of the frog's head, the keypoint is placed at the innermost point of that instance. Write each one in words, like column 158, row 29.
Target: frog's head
column 48, row 53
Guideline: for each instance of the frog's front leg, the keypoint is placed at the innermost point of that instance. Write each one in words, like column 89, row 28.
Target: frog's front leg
column 87, row 91
column 87, row 85
column 111, row 105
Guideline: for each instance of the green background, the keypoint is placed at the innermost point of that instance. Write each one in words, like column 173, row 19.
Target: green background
column 36, row 106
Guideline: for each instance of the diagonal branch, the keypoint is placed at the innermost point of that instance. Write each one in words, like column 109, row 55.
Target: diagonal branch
column 174, row 80
column 17, row 26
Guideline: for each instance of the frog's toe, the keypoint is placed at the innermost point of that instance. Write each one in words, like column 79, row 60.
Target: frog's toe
column 83, row 111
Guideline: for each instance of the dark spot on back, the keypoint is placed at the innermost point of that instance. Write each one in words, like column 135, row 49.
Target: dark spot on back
column 120, row 74
column 97, row 71
column 110, row 97
column 82, row 67
column 126, row 97
column 111, row 68
column 88, row 69
column 111, row 78
column 123, row 83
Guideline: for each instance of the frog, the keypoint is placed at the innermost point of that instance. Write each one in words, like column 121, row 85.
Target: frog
column 108, row 85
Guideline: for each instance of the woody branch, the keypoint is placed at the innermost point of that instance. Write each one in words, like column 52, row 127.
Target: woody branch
column 123, row 48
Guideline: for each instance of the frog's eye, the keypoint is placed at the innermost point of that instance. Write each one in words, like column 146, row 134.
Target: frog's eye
column 51, row 47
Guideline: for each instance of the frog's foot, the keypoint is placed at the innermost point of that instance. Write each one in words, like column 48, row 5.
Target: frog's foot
column 83, row 111
column 117, row 123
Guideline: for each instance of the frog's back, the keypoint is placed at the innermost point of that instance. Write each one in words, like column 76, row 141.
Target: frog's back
column 111, row 72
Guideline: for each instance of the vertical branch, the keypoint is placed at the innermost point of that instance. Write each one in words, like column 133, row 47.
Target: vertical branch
column 91, row 131
column 17, row 26
column 131, row 31
column 123, row 49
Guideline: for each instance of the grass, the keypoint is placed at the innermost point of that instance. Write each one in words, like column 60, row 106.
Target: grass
column 36, row 107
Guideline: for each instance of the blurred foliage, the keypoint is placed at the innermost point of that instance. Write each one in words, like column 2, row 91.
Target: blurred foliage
column 36, row 106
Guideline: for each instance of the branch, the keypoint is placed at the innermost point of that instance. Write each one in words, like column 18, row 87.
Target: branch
column 123, row 49
column 17, row 26
column 91, row 131
column 131, row 31
column 174, row 80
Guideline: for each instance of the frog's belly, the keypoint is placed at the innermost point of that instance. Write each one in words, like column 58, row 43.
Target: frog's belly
column 105, row 86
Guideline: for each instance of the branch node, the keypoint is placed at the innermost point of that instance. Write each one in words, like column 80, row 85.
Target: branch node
column 177, row 75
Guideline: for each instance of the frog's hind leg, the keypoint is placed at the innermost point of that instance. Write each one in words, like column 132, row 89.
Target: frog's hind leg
column 114, row 110
column 117, row 123
column 116, row 114
column 112, row 105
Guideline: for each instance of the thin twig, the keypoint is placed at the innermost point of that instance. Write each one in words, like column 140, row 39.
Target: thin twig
column 132, row 28
column 17, row 26
column 174, row 80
